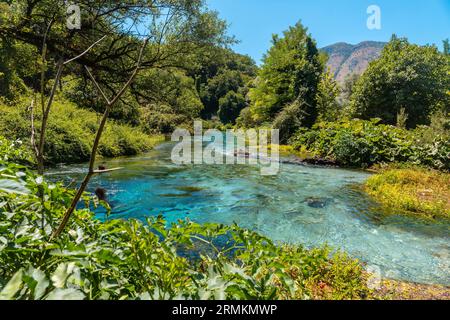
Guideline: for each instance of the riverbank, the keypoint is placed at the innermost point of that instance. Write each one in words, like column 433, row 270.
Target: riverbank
column 399, row 290
column 414, row 191
column 71, row 133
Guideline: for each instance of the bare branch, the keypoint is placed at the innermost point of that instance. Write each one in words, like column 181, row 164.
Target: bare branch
column 46, row 107
column 98, row 136
column 46, row 111
column 86, row 51
column 107, row 170
column 33, row 130
column 97, row 85
column 135, row 72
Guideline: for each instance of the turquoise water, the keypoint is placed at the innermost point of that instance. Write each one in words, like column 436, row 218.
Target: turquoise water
column 302, row 204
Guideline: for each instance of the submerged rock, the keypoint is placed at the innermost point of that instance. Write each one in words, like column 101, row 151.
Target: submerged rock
column 189, row 189
column 318, row 203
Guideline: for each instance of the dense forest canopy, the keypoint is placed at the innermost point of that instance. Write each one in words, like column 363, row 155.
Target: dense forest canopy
column 190, row 72
column 406, row 76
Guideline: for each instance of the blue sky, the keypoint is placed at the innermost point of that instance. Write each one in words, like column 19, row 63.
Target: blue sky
column 254, row 21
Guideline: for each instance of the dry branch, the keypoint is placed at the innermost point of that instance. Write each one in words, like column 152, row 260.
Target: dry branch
column 92, row 171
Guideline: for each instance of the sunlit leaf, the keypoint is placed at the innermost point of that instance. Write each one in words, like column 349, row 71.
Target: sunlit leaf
column 13, row 186
column 12, row 287
column 66, row 294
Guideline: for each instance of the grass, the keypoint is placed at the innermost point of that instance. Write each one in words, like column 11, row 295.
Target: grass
column 71, row 132
column 412, row 191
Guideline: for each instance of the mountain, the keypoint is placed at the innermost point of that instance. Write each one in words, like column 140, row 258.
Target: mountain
column 347, row 59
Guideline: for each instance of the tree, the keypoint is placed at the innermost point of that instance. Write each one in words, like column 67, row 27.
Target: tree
column 17, row 64
column 405, row 76
column 327, row 94
column 103, row 51
column 446, row 47
column 290, row 120
column 292, row 67
column 230, row 106
column 217, row 88
column 347, row 89
column 218, row 71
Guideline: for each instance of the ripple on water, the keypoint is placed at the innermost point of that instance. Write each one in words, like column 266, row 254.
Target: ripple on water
column 337, row 214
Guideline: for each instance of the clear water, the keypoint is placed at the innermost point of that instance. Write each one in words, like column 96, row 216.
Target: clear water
column 302, row 204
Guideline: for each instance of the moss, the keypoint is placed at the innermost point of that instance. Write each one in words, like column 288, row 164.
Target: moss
column 413, row 191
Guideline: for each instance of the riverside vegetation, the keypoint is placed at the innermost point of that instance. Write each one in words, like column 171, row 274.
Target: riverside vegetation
column 133, row 260
column 396, row 114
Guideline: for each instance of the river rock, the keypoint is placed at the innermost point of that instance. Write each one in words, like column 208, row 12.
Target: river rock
column 318, row 203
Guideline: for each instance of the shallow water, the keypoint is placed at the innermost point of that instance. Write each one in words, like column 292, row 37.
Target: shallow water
column 302, row 204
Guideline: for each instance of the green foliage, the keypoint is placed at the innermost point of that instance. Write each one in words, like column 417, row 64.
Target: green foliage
column 14, row 151
column 119, row 259
column 245, row 119
column 405, row 76
column 327, row 95
column 362, row 143
column 230, row 107
column 162, row 119
column 189, row 30
column 289, row 121
column 402, row 118
column 347, row 91
column 446, row 47
column 217, row 72
column 413, row 191
column 85, row 95
column 172, row 91
column 17, row 63
column 70, row 132
column 292, row 68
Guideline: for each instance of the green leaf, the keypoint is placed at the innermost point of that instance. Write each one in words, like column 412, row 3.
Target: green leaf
column 12, row 287
column 61, row 273
column 42, row 283
column 65, row 294
column 12, row 186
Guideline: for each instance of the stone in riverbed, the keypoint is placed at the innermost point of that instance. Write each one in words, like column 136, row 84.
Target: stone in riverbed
column 318, row 203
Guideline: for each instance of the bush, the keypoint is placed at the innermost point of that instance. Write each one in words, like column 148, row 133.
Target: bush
column 289, row 121
column 14, row 151
column 245, row 119
column 412, row 190
column 230, row 107
column 70, row 133
column 406, row 76
column 121, row 259
column 162, row 119
column 360, row 143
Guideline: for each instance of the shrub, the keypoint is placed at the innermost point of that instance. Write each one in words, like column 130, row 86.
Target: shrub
column 71, row 131
column 245, row 119
column 362, row 143
column 14, row 151
column 162, row 119
column 289, row 121
column 412, row 190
